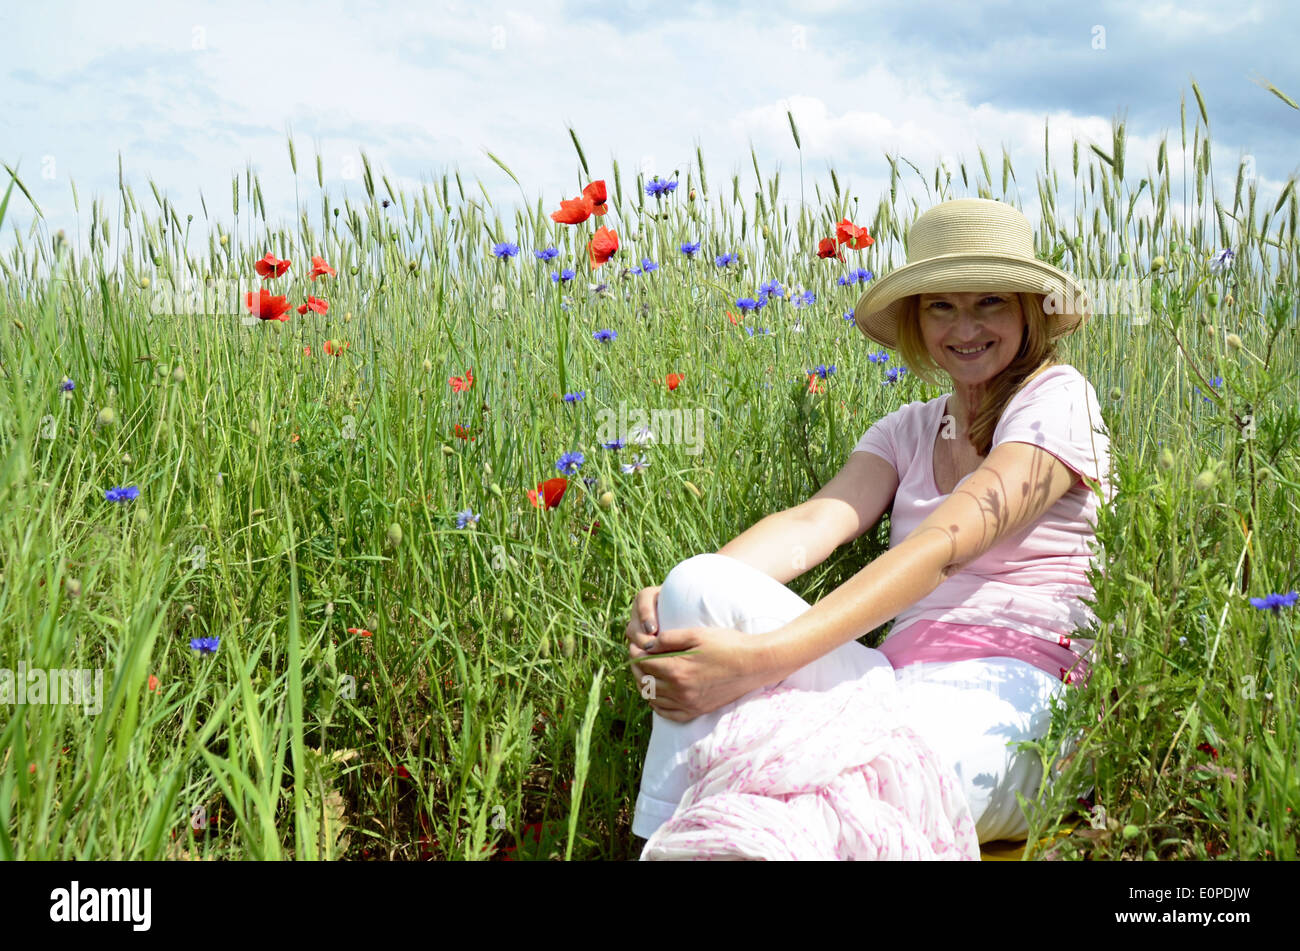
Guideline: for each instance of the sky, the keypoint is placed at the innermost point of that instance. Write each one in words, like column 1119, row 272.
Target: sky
column 190, row 94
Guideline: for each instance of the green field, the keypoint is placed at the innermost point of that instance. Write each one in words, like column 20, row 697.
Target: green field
column 386, row 684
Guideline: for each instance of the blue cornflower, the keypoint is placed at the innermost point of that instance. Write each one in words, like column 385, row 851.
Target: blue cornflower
column 659, row 187
column 638, row 463
column 205, row 645
column 879, row 356
column 1216, row 381
column 647, row 265
column 1275, row 602
column 605, row 335
column 589, row 481
column 635, row 270
column 822, row 370
column 848, row 315
column 122, row 494
column 689, row 248
column 613, row 444
column 505, row 250
column 570, row 461
column 806, row 298
column 894, row 375
column 722, row 260
column 467, row 517
column 761, row 330
column 747, row 303
column 1221, row 260
column 565, row 275
column 771, row 288
column 547, row 254
column 574, row 397
column 67, row 385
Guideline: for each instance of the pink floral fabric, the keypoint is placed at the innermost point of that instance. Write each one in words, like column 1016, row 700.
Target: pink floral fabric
column 796, row 775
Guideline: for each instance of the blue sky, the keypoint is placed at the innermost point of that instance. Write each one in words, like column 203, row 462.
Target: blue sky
column 190, row 93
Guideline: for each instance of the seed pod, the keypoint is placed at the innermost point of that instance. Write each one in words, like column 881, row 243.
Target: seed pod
column 428, row 365
column 394, row 535
column 1166, row 459
column 106, row 417
column 606, row 500
column 545, row 649
column 179, row 374
column 508, row 614
column 1131, row 831
column 448, row 451
column 1205, row 481
column 1212, row 299
column 1123, row 259
column 1233, row 341
column 567, row 645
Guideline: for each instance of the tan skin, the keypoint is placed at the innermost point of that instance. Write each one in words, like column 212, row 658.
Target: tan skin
column 1017, row 481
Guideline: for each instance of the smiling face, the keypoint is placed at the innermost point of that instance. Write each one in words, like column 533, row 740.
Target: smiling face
column 969, row 321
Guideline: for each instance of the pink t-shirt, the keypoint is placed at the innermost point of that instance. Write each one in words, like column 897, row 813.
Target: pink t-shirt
column 1030, row 582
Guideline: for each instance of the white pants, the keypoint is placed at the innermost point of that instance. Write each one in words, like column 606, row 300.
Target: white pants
column 968, row 711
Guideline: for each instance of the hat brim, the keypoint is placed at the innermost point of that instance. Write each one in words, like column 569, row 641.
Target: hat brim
column 879, row 308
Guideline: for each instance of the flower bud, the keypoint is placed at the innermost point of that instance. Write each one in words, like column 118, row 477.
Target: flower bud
column 225, row 239
column 567, row 645
column 690, row 195
column 1157, row 262
column 1205, row 481
column 1123, row 259
column 1233, row 341
column 1116, row 394
column 1212, row 299
column 606, row 500
column 189, row 611
column 106, row 417
column 144, row 283
column 508, row 614
column 73, row 587
column 448, row 451
column 545, row 649
column 428, row 365
column 487, row 468
column 1166, row 459
column 179, row 374
column 394, row 535
column 329, row 608
column 347, row 317
column 1131, row 831
column 495, row 490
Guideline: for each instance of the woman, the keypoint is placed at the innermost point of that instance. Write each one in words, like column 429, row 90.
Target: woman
column 993, row 491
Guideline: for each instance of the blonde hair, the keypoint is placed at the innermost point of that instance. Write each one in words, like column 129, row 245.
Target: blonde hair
column 1037, row 352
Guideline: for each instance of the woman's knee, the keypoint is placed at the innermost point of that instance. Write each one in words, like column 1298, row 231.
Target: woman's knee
column 686, row 576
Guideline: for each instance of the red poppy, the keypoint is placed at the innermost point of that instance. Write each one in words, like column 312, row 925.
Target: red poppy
column 335, row 347
column 828, row 248
column 813, row 385
column 850, row 234
column 402, row 772
column 733, row 319
column 306, row 351
column 271, row 266
column 674, row 380
column 463, row 433
column 460, row 384
column 153, row 683
column 1207, row 748
column 603, row 246
column 293, row 438
column 551, row 491
column 574, row 211
column 314, row 303
column 596, row 192
column 319, row 268
column 267, row 307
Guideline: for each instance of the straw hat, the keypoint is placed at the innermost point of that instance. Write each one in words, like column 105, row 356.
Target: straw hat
column 970, row 244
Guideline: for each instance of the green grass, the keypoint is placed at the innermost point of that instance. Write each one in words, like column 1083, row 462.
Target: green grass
column 492, row 692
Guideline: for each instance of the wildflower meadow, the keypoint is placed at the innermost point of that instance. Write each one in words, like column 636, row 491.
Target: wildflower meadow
column 351, row 515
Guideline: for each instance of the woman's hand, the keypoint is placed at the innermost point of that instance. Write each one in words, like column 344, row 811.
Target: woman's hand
column 724, row 665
